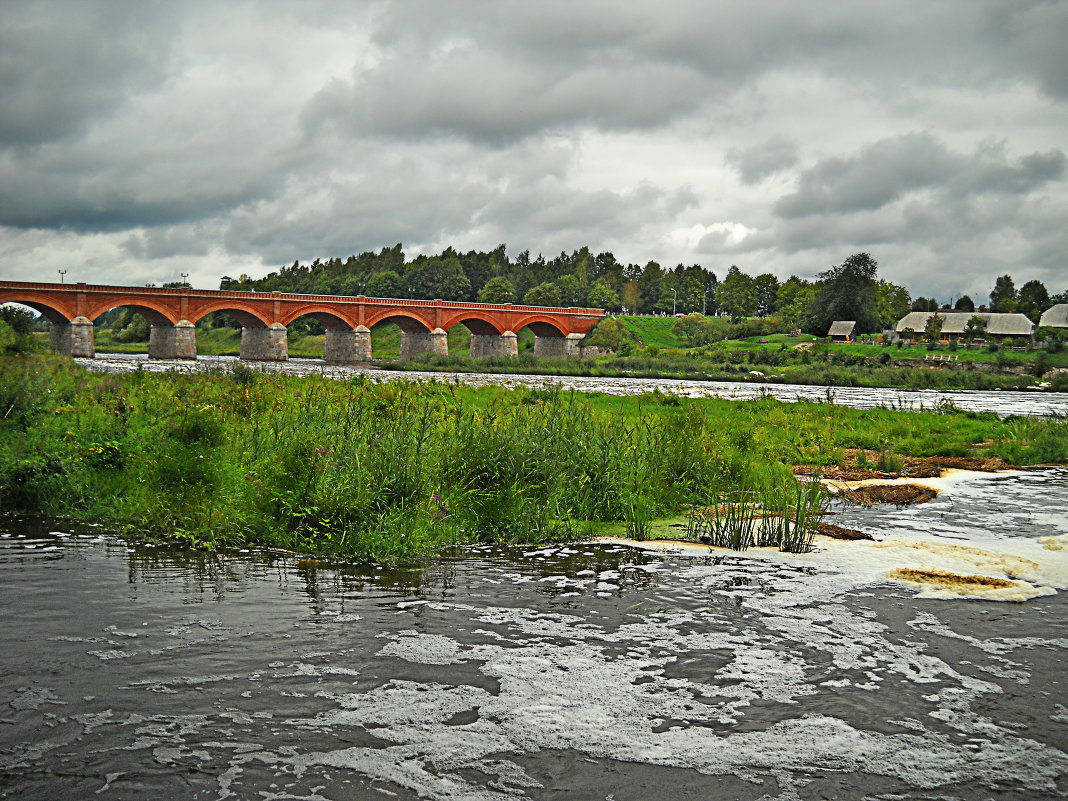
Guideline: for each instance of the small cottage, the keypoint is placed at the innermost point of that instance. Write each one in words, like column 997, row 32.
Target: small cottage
column 1055, row 317
column 842, row 330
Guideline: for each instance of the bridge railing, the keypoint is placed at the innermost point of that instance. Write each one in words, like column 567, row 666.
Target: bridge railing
column 291, row 296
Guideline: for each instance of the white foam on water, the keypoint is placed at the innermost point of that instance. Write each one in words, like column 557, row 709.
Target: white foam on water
column 562, row 688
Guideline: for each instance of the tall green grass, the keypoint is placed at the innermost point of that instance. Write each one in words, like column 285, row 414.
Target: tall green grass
column 396, row 470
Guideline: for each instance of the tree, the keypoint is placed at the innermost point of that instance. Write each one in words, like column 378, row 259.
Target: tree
column 793, row 300
column 922, row 304
column 767, row 290
column 737, row 295
column 696, row 329
column 975, row 328
column 16, row 330
column 649, row 286
column 632, row 297
column 610, row 333
column 545, row 294
column 497, row 290
column 847, row 292
column 691, row 288
column 570, row 290
column 602, row 296
column 668, row 297
column 932, row 331
column 892, row 301
column 1003, row 295
column 1033, row 300
column 385, row 285
column 964, row 304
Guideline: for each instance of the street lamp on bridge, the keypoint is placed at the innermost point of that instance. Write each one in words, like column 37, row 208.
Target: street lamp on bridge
column 61, row 274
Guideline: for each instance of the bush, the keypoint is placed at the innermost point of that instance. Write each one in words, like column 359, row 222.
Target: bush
column 16, row 330
column 609, row 333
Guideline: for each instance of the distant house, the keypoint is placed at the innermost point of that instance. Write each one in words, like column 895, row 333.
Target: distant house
column 1055, row 316
column 954, row 324
column 842, row 330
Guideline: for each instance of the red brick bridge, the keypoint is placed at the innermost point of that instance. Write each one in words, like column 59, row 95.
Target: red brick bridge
column 172, row 314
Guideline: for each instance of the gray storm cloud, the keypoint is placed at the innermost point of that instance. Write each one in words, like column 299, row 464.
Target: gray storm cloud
column 141, row 139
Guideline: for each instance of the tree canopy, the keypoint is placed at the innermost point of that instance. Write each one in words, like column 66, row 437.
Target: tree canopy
column 847, row 292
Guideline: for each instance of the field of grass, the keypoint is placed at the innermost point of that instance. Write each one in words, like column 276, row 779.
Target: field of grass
column 655, row 331
column 398, row 470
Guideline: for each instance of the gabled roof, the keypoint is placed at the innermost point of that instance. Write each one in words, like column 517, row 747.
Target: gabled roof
column 997, row 324
column 1055, row 316
column 842, row 328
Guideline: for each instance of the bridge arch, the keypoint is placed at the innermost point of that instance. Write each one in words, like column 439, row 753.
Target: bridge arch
column 482, row 324
column 155, row 313
column 44, row 305
column 406, row 321
column 542, row 325
column 246, row 316
column 330, row 317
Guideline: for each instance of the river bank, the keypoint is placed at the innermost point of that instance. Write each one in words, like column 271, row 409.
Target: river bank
column 1003, row 403
column 396, row 470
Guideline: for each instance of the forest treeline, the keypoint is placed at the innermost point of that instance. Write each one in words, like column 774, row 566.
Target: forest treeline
column 852, row 290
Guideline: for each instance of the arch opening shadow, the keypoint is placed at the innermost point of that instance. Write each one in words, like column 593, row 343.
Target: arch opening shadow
column 245, row 319
column 541, row 328
column 47, row 312
column 153, row 316
column 406, row 323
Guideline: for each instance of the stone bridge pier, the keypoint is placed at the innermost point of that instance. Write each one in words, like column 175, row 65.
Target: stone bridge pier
column 178, row 341
column 558, row 347
column 416, row 343
column 347, row 346
column 73, row 339
column 265, row 344
column 487, row 345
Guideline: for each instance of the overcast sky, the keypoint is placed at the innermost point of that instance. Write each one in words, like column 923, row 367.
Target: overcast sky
column 140, row 141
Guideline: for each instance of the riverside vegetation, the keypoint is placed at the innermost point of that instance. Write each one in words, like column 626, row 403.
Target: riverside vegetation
column 399, row 470
column 655, row 347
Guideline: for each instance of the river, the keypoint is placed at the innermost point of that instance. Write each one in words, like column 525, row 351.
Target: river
column 580, row 671
column 1001, row 402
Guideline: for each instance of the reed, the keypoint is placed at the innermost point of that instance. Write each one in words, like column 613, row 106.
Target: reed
column 401, row 469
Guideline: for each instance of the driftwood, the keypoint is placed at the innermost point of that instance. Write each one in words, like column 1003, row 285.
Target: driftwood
column 839, row 533
column 899, row 494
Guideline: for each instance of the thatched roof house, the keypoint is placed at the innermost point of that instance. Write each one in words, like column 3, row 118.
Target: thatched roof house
column 842, row 330
column 954, row 324
column 1055, row 316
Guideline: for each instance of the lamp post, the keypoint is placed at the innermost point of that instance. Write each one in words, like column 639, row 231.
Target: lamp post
column 184, row 277
column 61, row 274
column 674, row 297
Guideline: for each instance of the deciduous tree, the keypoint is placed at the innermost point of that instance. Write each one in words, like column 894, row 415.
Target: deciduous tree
column 1033, row 300
column 1003, row 295
column 847, row 292
column 737, row 295
column 497, row 290
column 545, row 294
column 696, row 329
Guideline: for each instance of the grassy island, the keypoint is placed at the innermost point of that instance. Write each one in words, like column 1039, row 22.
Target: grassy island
column 402, row 469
